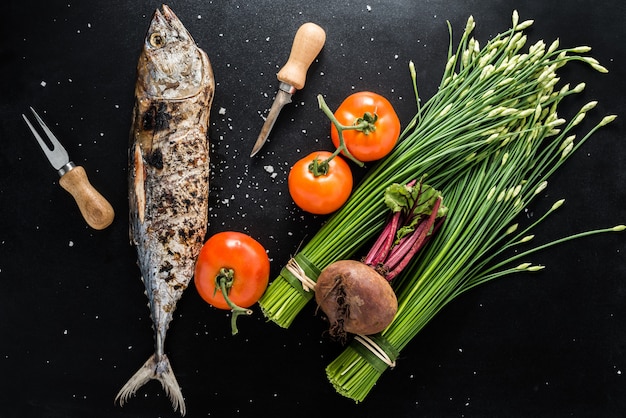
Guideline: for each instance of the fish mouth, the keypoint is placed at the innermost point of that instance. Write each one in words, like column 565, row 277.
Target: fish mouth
column 166, row 21
column 169, row 16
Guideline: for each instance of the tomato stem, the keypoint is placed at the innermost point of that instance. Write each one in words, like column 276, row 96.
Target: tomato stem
column 364, row 124
column 224, row 281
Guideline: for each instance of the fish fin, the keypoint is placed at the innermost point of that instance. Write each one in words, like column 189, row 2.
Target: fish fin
column 139, row 180
column 157, row 370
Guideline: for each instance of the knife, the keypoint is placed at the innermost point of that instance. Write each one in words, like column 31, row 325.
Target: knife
column 307, row 44
column 96, row 210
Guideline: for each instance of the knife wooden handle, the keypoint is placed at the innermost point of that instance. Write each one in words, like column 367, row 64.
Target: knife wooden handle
column 307, row 43
column 96, row 210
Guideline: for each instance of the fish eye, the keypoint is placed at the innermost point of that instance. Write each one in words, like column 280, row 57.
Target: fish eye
column 157, row 40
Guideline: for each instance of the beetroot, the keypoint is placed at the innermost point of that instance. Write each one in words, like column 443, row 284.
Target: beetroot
column 355, row 298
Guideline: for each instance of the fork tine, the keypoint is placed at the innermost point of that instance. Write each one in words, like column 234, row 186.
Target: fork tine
column 53, row 139
column 44, row 147
column 57, row 155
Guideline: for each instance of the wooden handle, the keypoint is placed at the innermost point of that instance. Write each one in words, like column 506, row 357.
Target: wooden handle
column 307, row 43
column 96, row 210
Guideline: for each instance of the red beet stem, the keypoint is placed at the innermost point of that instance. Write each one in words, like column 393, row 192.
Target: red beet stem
column 416, row 241
column 389, row 257
column 400, row 251
column 383, row 244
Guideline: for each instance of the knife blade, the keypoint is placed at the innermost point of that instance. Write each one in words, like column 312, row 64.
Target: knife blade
column 307, row 44
column 96, row 210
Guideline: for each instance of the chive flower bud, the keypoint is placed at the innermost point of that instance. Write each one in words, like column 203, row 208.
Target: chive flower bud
column 606, row 120
column 446, row 109
column 578, row 118
column 450, row 64
column 542, row 186
column 511, row 229
column 589, row 106
column 505, row 157
column 564, row 89
column 557, row 204
column 469, row 26
column 599, row 68
column 553, row 46
column 538, row 47
column 526, row 239
column 568, row 148
column 556, row 122
column 515, row 18
column 566, row 142
column 525, row 24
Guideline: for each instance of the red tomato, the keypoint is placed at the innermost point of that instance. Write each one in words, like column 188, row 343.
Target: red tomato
column 324, row 193
column 379, row 138
column 248, row 261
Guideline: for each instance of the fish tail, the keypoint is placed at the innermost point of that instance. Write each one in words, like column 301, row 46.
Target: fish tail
column 157, row 369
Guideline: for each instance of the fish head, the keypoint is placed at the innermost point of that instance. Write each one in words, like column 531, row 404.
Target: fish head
column 171, row 65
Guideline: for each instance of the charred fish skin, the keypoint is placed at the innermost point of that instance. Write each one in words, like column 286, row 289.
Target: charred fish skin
column 168, row 180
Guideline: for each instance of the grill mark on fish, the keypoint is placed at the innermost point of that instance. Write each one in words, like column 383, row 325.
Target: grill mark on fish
column 156, row 118
column 155, row 158
column 168, row 180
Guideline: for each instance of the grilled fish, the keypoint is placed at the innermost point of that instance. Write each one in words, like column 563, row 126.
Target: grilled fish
column 168, row 180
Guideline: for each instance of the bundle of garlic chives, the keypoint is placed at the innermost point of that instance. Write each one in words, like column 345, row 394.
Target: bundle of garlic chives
column 489, row 99
column 483, row 203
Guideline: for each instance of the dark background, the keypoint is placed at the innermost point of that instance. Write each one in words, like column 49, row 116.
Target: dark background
column 73, row 319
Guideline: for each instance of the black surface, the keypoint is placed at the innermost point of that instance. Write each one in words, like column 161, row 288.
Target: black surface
column 73, row 319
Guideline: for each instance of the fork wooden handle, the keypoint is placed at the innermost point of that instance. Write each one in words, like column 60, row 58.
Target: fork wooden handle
column 96, row 210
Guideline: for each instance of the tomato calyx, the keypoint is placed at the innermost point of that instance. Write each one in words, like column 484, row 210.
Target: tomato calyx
column 365, row 124
column 319, row 167
column 224, row 282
